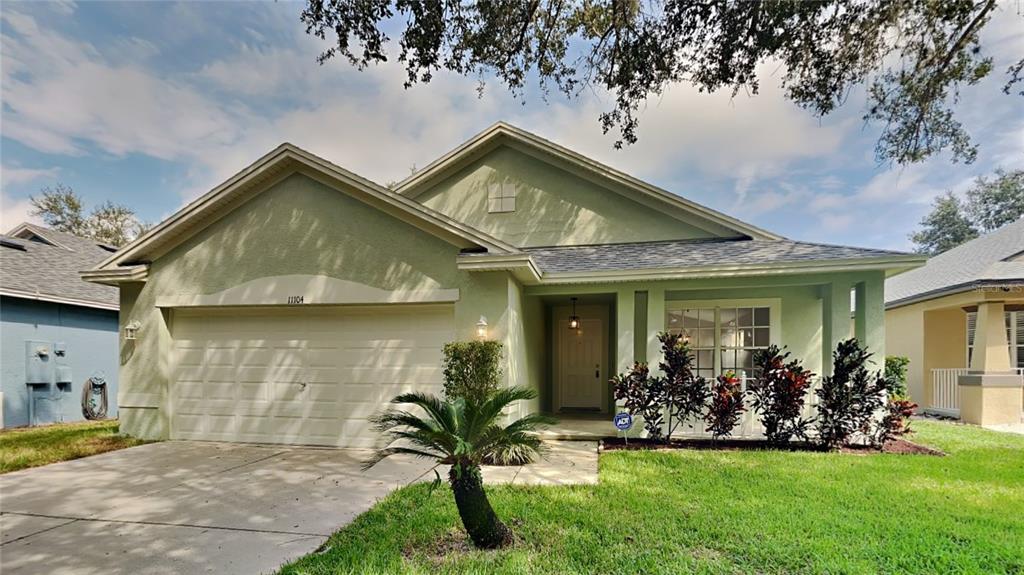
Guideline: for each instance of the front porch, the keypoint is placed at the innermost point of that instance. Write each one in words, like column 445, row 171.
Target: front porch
column 726, row 320
column 974, row 360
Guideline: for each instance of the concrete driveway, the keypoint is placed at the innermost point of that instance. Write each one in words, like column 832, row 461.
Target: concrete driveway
column 196, row 507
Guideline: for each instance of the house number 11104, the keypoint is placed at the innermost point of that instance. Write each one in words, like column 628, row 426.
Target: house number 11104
column 294, row 299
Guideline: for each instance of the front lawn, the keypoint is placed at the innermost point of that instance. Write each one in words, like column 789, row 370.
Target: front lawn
column 725, row 512
column 35, row 446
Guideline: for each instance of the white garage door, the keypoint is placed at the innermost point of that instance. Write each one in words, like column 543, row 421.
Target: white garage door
column 302, row 376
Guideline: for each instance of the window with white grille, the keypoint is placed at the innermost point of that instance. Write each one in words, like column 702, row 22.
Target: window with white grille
column 501, row 197
column 725, row 336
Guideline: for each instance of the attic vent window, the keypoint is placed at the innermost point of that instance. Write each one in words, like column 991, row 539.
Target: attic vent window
column 501, row 197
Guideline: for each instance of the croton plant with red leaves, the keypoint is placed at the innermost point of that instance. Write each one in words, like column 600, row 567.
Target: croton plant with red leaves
column 726, row 405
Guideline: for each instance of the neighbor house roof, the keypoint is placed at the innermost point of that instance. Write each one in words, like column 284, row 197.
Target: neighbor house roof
column 995, row 258
column 44, row 264
column 615, row 180
column 697, row 258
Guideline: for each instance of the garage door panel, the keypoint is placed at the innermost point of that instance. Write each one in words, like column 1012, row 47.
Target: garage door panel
column 305, row 376
column 220, row 390
column 288, row 357
column 191, row 356
column 324, row 392
column 253, row 355
column 322, row 357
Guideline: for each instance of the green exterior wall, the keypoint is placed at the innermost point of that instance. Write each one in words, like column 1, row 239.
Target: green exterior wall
column 553, row 206
column 804, row 302
column 299, row 226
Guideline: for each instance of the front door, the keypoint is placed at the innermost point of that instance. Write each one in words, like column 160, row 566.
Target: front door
column 580, row 373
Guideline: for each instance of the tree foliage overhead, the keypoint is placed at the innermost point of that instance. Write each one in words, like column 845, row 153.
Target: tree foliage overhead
column 63, row 210
column 990, row 204
column 911, row 56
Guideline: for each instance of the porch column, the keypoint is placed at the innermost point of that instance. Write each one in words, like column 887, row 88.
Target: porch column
column 655, row 324
column 869, row 318
column 625, row 303
column 990, row 393
column 835, row 320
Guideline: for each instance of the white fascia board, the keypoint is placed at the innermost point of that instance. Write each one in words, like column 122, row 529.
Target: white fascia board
column 180, row 222
column 58, row 299
column 115, row 276
column 836, row 266
column 520, row 264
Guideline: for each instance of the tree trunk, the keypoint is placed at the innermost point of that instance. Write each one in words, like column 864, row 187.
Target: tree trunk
column 479, row 519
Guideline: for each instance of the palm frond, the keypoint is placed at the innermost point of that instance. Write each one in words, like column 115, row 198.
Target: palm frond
column 392, row 418
column 437, row 409
column 500, row 446
column 484, row 414
column 382, row 454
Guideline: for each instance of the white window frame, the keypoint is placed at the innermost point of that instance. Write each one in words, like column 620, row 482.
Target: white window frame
column 501, row 197
column 774, row 306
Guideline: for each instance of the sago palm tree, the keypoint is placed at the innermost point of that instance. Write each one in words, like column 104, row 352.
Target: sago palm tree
column 464, row 435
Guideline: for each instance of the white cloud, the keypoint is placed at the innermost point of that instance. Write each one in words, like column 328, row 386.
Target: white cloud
column 15, row 211
column 760, row 154
column 15, row 175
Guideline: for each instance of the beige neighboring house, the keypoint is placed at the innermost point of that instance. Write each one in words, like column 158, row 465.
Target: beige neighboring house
column 960, row 320
column 292, row 302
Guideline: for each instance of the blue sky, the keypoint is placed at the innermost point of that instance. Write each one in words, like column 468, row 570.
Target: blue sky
column 151, row 104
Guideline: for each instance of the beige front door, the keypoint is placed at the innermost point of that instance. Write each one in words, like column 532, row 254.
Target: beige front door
column 580, row 370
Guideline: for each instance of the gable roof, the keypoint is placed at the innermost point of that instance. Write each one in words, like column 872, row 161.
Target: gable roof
column 990, row 259
column 503, row 133
column 281, row 162
column 43, row 264
column 695, row 258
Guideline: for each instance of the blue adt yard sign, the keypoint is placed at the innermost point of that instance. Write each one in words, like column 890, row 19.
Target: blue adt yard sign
column 623, row 421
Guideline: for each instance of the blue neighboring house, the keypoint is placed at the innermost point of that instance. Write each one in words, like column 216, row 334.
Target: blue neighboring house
column 45, row 307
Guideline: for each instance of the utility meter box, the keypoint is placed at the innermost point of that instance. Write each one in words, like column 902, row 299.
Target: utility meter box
column 63, row 370
column 39, row 363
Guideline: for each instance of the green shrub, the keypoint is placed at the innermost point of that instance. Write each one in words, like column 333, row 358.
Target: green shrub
column 679, row 394
column 685, row 394
column 471, row 369
column 849, row 399
column 726, row 406
column 896, row 373
column 644, row 396
column 779, row 395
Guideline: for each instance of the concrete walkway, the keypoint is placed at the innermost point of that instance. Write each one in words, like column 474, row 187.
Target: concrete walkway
column 1017, row 428
column 196, row 507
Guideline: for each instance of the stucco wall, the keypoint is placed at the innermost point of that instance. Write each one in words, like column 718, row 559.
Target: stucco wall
column 299, row 226
column 553, row 206
column 904, row 336
column 90, row 336
column 801, row 308
column 933, row 334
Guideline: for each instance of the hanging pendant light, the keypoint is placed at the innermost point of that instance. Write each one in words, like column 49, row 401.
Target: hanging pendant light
column 574, row 320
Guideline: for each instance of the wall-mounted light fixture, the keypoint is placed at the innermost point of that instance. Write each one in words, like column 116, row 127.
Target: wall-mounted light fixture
column 574, row 320
column 131, row 331
column 481, row 328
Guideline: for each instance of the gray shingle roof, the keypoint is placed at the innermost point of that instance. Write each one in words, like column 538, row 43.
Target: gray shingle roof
column 51, row 271
column 690, row 253
column 980, row 261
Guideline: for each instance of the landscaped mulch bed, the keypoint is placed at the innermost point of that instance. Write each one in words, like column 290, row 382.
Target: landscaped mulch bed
column 900, row 446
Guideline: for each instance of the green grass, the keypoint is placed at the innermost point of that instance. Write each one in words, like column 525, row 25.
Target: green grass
column 725, row 512
column 35, row 446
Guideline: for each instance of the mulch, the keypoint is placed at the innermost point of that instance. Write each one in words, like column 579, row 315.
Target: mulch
column 898, row 446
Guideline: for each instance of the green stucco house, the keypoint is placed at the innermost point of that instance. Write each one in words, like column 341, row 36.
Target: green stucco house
column 291, row 302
